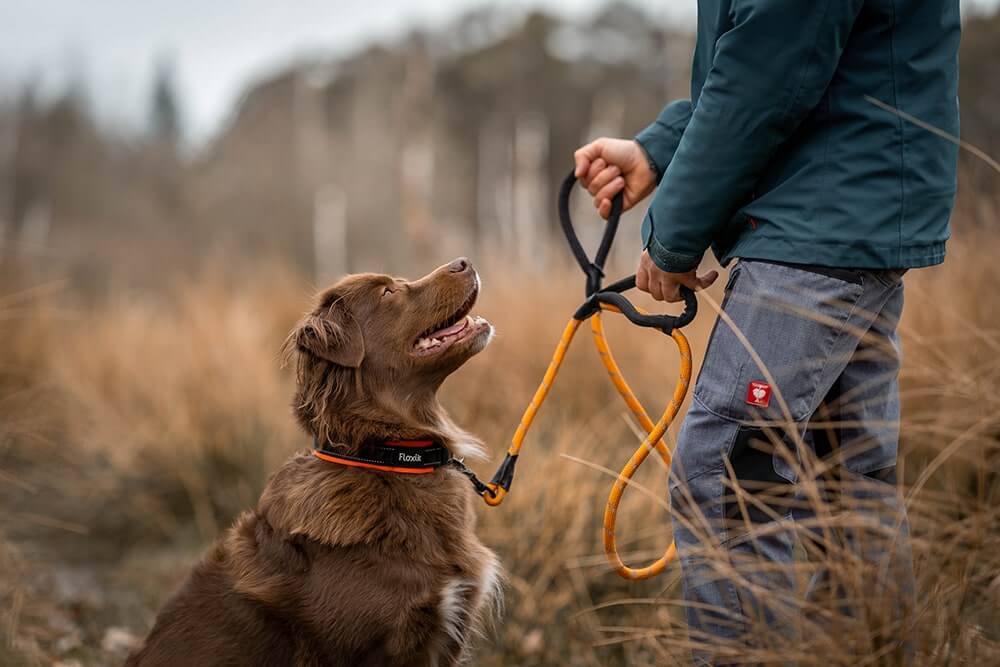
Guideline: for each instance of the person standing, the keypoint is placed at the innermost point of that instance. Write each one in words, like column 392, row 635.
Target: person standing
column 791, row 161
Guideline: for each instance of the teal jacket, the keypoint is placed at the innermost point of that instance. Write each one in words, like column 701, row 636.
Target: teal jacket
column 791, row 148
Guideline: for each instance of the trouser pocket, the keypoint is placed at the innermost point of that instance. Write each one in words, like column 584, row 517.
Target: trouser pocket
column 776, row 345
column 888, row 277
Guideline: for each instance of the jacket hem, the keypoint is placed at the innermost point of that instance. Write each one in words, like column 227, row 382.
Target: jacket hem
column 835, row 255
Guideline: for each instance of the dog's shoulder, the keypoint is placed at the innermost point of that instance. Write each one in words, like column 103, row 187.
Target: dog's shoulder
column 226, row 606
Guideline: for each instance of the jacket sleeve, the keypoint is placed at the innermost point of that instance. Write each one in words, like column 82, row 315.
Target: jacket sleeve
column 769, row 71
column 660, row 139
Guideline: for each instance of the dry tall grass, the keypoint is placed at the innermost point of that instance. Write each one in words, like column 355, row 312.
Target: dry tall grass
column 132, row 429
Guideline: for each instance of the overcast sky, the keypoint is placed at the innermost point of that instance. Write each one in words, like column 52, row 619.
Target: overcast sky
column 217, row 46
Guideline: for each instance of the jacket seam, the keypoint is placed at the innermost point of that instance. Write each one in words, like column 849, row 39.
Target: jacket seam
column 797, row 93
column 902, row 138
column 822, row 201
column 847, row 244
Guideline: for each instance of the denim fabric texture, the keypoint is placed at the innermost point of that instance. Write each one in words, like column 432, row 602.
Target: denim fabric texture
column 825, row 344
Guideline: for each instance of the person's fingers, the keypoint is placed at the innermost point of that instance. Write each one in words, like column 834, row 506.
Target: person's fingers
column 664, row 286
column 602, row 179
column 604, row 209
column 609, row 190
column 656, row 287
column 627, row 202
column 671, row 290
column 596, row 167
column 585, row 155
column 641, row 277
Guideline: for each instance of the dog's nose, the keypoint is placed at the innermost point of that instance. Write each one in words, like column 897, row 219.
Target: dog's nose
column 459, row 265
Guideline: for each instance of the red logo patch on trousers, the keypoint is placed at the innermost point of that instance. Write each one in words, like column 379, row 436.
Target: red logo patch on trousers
column 759, row 394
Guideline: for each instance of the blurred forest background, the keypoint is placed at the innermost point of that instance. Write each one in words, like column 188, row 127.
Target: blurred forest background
column 146, row 284
column 390, row 158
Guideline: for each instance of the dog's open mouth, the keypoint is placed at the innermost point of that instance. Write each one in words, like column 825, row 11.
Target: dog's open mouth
column 458, row 328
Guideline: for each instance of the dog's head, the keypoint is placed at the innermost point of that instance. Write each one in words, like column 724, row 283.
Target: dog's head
column 375, row 337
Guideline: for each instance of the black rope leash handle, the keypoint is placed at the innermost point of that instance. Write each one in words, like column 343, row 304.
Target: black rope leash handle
column 613, row 294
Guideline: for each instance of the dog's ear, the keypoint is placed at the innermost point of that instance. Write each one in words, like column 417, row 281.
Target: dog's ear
column 335, row 336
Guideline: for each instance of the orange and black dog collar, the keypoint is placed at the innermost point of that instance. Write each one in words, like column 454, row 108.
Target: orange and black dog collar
column 405, row 457
column 411, row 457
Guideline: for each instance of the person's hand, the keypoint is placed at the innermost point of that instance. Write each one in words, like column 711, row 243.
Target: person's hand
column 607, row 166
column 664, row 286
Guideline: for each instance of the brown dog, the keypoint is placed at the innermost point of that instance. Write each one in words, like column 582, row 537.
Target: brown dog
column 351, row 560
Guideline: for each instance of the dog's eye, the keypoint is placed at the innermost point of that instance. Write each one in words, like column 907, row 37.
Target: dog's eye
column 387, row 291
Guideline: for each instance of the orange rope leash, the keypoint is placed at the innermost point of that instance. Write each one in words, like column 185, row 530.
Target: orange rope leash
column 608, row 298
column 653, row 440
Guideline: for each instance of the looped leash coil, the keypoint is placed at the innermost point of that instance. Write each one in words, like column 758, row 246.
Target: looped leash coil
column 612, row 299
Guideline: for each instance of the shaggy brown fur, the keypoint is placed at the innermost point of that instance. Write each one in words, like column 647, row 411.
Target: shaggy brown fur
column 347, row 566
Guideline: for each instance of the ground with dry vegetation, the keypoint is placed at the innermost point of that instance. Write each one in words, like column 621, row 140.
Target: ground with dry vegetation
column 133, row 428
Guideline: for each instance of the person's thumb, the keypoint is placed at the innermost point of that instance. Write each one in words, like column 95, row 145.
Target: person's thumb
column 695, row 282
column 707, row 280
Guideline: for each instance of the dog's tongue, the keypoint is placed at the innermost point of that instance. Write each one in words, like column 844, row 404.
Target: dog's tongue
column 453, row 329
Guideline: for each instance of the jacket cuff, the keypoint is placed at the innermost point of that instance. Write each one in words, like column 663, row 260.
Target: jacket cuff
column 671, row 262
column 653, row 166
column 666, row 260
column 659, row 141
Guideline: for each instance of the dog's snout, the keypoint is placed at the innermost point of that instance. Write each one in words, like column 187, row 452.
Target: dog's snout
column 460, row 265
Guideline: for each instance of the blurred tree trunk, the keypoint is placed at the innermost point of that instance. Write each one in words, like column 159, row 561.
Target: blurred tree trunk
column 313, row 161
column 495, row 189
column 417, row 151
column 330, row 234
column 531, row 153
column 8, row 153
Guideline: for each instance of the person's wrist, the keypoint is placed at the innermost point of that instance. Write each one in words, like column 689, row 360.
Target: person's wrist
column 648, row 161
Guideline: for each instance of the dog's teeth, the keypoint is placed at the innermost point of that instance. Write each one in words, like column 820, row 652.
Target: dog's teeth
column 427, row 343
